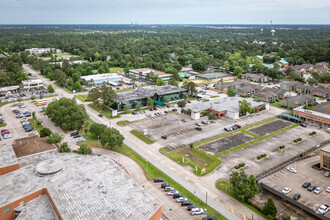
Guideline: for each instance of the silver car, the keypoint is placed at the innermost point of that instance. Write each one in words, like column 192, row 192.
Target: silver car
column 318, row 190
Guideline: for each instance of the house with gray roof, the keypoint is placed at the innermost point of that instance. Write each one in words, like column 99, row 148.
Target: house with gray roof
column 259, row 78
column 299, row 100
column 323, row 107
column 233, row 85
column 290, row 85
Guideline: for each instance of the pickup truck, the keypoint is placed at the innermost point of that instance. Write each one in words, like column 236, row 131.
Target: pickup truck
column 323, row 209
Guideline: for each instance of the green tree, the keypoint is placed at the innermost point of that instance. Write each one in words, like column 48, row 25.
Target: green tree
column 77, row 87
column 67, row 114
column 64, row 148
column 126, row 109
column 108, row 96
column 97, row 129
column 150, row 102
column 190, row 87
column 270, row 208
column 33, row 114
column 33, row 97
column 138, row 107
column 231, row 93
column 45, row 132
column 165, row 100
column 184, row 96
column 312, row 82
column 160, row 82
column 54, row 138
column 94, row 95
column 198, row 65
column 41, row 96
column 173, row 82
column 181, row 104
column 243, row 186
column 83, row 149
column 244, row 107
column 50, row 89
column 111, row 137
column 212, row 116
column 19, row 99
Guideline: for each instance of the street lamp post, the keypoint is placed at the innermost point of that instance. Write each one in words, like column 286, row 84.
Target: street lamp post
column 147, row 167
column 98, row 139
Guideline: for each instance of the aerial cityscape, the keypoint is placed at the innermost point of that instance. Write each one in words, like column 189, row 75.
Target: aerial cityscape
column 174, row 113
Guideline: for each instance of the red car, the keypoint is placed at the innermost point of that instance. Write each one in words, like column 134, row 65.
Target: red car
column 189, row 101
column 4, row 131
column 100, row 115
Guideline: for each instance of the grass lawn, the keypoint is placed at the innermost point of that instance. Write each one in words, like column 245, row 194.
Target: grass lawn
column 142, row 137
column 122, row 123
column 224, row 185
column 215, row 96
column 105, row 113
column 37, row 127
column 123, row 90
column 82, row 98
column 14, row 105
column 154, row 172
column 3, row 124
column 276, row 104
column 116, row 69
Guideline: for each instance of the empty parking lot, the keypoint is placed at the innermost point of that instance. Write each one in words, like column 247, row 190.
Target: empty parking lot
column 270, row 127
column 227, row 142
column 305, row 172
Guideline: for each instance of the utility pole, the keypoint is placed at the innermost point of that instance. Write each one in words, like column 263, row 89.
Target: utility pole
column 98, row 137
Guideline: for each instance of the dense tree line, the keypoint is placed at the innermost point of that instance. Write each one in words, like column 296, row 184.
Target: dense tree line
column 11, row 72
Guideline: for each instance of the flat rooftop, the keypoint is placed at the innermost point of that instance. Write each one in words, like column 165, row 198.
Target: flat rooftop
column 213, row 75
column 320, row 114
column 89, row 187
column 31, row 145
column 148, row 70
column 7, row 155
column 221, row 104
column 31, row 81
column 326, row 148
column 103, row 76
column 130, row 95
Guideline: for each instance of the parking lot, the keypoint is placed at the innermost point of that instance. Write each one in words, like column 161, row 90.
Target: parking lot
column 270, row 146
column 26, row 95
column 227, row 142
column 270, row 127
column 305, row 172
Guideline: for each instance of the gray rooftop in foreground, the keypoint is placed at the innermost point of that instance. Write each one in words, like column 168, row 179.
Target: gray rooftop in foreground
column 213, row 75
column 7, row 155
column 38, row 208
column 143, row 92
column 89, row 187
column 221, row 104
column 326, row 148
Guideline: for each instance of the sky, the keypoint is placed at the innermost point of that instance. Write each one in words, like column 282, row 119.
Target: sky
column 164, row 11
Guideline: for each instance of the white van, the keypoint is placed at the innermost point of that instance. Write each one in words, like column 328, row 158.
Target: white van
column 328, row 130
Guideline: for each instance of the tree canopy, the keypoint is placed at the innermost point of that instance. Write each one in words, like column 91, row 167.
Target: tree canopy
column 244, row 186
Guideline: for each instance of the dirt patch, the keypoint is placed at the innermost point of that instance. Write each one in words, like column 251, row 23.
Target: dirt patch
column 31, row 145
column 226, row 143
column 271, row 127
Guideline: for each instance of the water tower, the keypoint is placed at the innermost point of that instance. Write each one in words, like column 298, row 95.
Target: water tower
column 261, row 30
column 273, row 32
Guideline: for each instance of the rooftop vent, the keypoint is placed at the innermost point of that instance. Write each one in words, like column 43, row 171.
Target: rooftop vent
column 49, row 167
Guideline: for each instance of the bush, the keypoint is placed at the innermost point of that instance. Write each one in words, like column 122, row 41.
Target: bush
column 261, row 156
column 64, row 148
column 314, row 132
column 299, row 139
column 295, row 141
column 83, row 149
column 38, row 122
column 45, row 132
column 242, row 164
column 282, row 147
column 237, row 167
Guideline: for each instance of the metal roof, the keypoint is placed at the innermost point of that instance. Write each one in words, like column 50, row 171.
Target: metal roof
column 291, row 117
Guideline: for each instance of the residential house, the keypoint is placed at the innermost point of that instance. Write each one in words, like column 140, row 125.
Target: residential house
column 299, row 100
column 234, row 85
column 255, row 77
column 267, row 96
column 283, row 63
column 305, row 89
column 324, row 64
column 322, row 92
column 290, row 85
column 246, row 91
column 323, row 107
column 281, row 94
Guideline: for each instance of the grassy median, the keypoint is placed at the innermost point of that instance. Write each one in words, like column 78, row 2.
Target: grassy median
column 142, row 137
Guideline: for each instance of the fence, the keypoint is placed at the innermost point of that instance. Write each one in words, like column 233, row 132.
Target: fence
column 289, row 161
column 292, row 201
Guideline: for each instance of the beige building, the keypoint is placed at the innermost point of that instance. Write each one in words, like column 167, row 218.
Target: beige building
column 325, row 158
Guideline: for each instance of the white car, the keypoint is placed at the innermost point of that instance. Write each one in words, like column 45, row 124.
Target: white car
column 170, row 193
column 318, row 190
column 291, row 169
column 7, row 136
column 181, row 199
column 197, row 212
column 323, row 209
column 286, row 190
column 328, row 189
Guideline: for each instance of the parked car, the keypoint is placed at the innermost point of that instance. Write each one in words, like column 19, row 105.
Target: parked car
column 306, row 184
column 164, row 184
column 205, row 122
column 226, row 129
column 296, row 196
column 164, row 137
column 318, row 190
column 100, row 115
column 74, row 133
column 198, row 128
column 7, row 136
column 311, row 187
column 192, row 207
column 238, row 126
column 186, row 203
column 303, row 125
column 291, row 169
column 197, row 123
column 134, row 113
column 209, row 218
column 197, row 212
column 177, row 195
column 168, row 188
column 171, row 193
column 158, row 180
column 286, row 190
column 327, row 174
column 327, row 189
column 180, row 199
column 184, row 120
column 323, row 209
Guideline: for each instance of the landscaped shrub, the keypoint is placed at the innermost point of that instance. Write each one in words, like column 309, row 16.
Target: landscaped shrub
column 237, row 167
column 297, row 140
column 282, row 147
column 45, row 132
column 64, row 148
column 261, row 156
column 242, row 164
column 312, row 133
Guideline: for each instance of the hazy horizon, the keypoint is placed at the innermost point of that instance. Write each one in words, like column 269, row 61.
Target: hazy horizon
column 235, row 12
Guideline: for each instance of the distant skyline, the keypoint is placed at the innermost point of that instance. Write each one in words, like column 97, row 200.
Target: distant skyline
column 165, row 11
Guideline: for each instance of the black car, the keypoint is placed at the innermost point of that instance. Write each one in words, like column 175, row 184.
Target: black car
column 198, row 128
column 296, row 196
column 28, row 130
column 158, row 180
column 134, row 113
column 77, row 136
column 164, row 137
column 73, row 133
column 303, row 125
column 186, row 203
column 177, row 195
column 2, row 121
column 191, row 207
column 164, row 185
column 209, row 218
column 311, row 187
column 226, row 129
column 306, row 184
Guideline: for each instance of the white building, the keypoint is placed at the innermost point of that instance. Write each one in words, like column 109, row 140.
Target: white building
column 39, row 51
column 32, row 84
column 141, row 74
column 7, row 91
column 105, row 77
